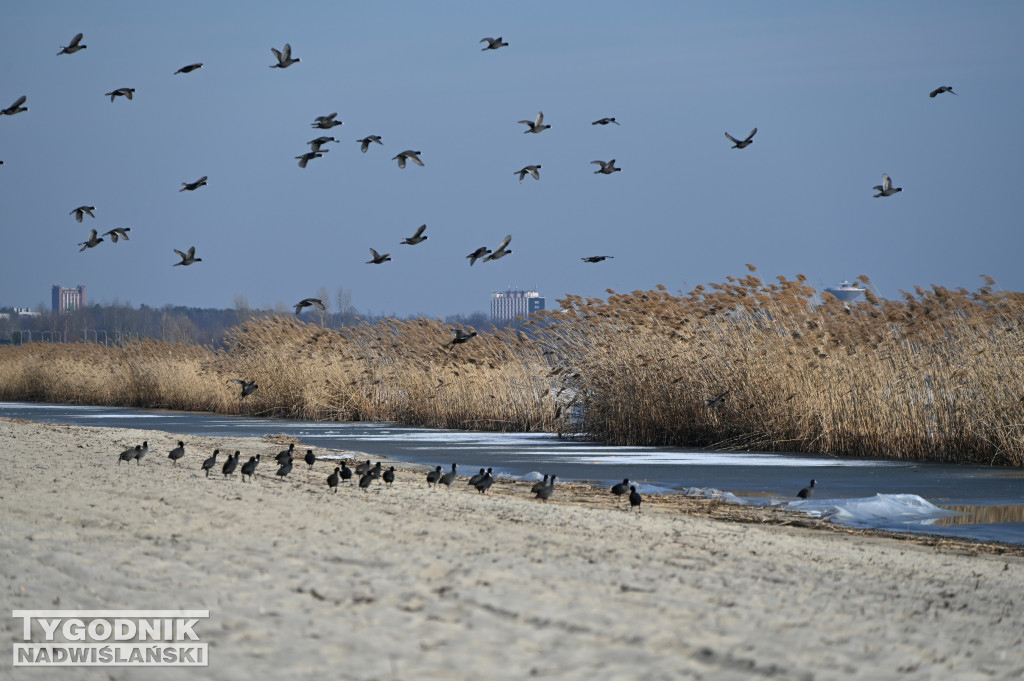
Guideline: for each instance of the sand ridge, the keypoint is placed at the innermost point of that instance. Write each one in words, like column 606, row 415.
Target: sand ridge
column 416, row 583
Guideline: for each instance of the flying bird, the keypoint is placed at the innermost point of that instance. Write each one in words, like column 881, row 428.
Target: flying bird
column 528, row 170
column 15, row 108
column 500, row 251
column 886, row 188
column 248, row 387
column 308, row 156
column 462, row 337
column 364, row 143
column 192, row 186
column 493, row 43
column 190, row 68
column 940, row 90
column 74, row 46
column 537, row 125
column 284, row 57
column 93, row 241
column 326, row 122
column 82, row 211
column 413, row 156
column 717, row 401
column 737, row 144
column 118, row 233
column 378, row 258
column 596, row 258
column 417, row 237
column 477, row 254
column 309, row 302
column 121, row 92
column 606, row 168
column 319, row 142
column 187, row 258
column 605, row 121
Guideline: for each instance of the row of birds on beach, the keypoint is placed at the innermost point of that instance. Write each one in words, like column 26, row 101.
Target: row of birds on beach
column 366, row 473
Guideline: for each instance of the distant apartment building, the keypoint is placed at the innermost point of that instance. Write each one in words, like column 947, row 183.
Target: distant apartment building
column 68, row 299
column 507, row 306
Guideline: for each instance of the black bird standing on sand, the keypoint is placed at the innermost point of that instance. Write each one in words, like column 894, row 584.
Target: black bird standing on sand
column 634, row 499
column 539, row 485
column 363, row 468
column 177, row 452
column 310, row 458
column 128, row 454
column 346, row 472
column 389, row 476
column 286, row 454
column 249, row 467
column 433, row 476
column 332, row 480
column 141, row 452
column 544, row 493
column 376, row 471
column 285, row 468
column 210, row 462
column 485, row 483
column 621, row 488
column 364, row 481
column 476, row 478
column 448, row 477
column 806, row 492
column 231, row 464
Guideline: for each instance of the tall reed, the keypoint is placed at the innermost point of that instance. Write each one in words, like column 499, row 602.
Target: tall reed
column 937, row 374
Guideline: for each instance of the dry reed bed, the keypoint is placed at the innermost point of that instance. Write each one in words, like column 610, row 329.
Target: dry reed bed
column 937, row 375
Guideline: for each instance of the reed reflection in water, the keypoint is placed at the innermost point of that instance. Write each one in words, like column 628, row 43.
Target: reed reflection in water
column 977, row 515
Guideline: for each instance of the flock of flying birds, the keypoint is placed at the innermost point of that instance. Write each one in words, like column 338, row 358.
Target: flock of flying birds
column 318, row 148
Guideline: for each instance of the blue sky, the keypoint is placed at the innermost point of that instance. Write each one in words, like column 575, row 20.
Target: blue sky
column 838, row 92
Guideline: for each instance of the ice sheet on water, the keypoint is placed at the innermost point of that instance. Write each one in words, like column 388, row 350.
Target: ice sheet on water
column 717, row 494
column 880, row 511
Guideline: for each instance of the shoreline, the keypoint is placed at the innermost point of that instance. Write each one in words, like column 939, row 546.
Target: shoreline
column 414, row 583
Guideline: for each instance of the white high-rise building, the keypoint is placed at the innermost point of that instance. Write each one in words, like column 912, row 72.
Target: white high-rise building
column 507, row 306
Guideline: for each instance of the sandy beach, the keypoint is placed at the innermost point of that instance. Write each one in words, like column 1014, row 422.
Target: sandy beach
column 414, row 583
